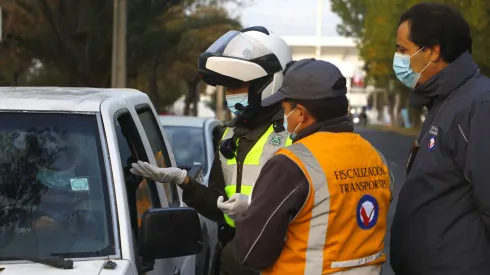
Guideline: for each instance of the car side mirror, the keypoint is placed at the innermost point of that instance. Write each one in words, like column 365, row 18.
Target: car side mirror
column 168, row 233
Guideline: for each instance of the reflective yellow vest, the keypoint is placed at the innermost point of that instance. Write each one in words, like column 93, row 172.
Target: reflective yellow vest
column 248, row 172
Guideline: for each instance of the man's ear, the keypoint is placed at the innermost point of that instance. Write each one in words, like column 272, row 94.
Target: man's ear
column 435, row 53
column 303, row 114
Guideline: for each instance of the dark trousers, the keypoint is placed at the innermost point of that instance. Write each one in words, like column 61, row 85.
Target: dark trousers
column 226, row 262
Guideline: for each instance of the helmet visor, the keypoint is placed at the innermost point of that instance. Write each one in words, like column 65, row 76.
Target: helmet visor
column 239, row 45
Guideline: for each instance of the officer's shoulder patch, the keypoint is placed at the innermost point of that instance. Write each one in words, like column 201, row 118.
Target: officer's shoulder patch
column 276, row 140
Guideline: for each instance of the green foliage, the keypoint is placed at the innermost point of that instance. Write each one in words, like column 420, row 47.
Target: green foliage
column 375, row 22
column 352, row 14
column 72, row 39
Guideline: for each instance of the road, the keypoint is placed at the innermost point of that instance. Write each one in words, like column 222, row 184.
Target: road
column 395, row 148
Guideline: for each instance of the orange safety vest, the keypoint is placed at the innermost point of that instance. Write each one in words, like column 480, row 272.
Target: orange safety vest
column 342, row 224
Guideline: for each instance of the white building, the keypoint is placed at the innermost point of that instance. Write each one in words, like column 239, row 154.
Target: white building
column 340, row 51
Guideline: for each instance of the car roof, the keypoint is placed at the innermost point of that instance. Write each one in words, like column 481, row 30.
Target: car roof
column 65, row 99
column 189, row 121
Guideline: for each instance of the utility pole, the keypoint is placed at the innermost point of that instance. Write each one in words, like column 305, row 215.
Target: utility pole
column 220, row 114
column 319, row 29
column 1, row 23
column 118, row 79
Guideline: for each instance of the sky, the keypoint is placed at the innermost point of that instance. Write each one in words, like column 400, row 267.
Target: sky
column 289, row 17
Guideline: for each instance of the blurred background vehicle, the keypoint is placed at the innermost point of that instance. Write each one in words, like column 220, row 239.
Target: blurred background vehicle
column 195, row 140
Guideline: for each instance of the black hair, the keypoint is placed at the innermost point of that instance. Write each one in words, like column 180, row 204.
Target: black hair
column 323, row 109
column 439, row 24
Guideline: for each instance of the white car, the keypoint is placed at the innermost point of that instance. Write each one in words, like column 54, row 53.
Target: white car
column 69, row 204
column 194, row 140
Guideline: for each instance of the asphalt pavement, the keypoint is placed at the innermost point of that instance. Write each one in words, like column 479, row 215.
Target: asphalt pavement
column 395, row 148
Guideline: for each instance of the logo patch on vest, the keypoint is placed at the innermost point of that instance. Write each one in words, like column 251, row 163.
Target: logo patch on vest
column 276, row 140
column 367, row 212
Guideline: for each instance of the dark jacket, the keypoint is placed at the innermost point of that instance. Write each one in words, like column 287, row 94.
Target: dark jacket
column 442, row 220
column 204, row 199
column 278, row 195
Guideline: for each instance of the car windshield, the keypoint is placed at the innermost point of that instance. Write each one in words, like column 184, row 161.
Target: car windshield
column 188, row 146
column 53, row 188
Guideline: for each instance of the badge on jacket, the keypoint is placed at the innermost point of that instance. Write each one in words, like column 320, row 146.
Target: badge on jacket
column 431, row 143
column 276, row 140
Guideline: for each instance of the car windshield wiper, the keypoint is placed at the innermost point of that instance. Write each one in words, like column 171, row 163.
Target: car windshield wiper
column 54, row 261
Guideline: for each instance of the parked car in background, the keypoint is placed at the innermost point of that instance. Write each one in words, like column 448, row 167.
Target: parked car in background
column 68, row 201
column 194, row 140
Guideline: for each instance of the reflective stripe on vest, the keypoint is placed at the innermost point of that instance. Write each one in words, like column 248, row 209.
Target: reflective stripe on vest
column 343, row 221
column 263, row 150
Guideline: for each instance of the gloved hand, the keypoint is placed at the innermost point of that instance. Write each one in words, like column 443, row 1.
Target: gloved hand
column 166, row 175
column 235, row 206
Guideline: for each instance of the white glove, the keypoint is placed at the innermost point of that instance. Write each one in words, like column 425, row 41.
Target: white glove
column 235, row 206
column 165, row 175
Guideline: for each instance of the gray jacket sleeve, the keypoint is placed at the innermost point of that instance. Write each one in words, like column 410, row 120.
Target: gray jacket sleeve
column 477, row 159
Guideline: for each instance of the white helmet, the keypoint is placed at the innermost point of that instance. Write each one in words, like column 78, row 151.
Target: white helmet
column 243, row 56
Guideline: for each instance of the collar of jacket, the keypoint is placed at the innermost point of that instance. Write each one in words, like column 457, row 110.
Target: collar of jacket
column 443, row 83
column 335, row 125
column 255, row 133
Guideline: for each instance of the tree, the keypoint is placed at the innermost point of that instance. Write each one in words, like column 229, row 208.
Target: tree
column 375, row 22
column 214, row 22
column 72, row 36
column 72, row 42
column 352, row 13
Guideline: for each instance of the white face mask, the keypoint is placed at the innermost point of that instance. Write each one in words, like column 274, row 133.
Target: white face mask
column 285, row 124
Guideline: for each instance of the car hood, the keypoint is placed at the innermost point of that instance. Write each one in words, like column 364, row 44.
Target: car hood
column 93, row 267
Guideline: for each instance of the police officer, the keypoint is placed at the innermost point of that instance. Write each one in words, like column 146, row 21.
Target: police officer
column 320, row 205
column 249, row 63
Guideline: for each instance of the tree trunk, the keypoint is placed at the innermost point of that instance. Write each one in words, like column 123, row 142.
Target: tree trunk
column 415, row 114
column 191, row 96
column 197, row 96
column 15, row 78
column 152, row 80
column 395, row 110
column 187, row 102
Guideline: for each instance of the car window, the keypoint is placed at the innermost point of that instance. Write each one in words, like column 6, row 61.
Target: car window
column 53, row 187
column 188, row 145
column 142, row 193
column 157, row 143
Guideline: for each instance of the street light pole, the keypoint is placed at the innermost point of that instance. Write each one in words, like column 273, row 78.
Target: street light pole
column 220, row 114
column 319, row 29
column 118, row 77
column 1, row 23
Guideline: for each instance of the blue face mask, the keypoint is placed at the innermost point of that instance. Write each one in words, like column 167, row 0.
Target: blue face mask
column 403, row 71
column 233, row 100
column 285, row 124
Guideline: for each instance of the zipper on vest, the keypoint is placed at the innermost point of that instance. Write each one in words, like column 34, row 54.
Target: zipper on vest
column 239, row 170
